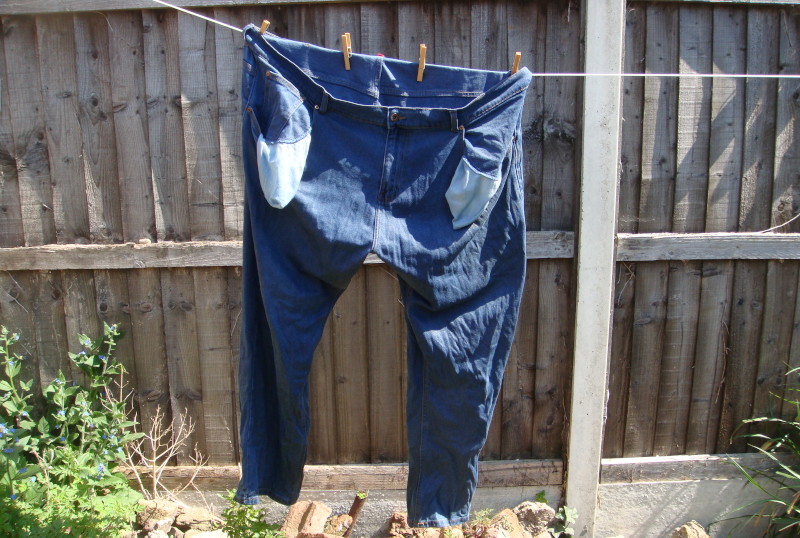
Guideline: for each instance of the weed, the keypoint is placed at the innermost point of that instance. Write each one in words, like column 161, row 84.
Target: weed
column 562, row 523
column 244, row 521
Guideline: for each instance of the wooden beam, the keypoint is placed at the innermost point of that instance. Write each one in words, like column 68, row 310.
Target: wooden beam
column 371, row 477
column 708, row 246
column 17, row 7
column 604, row 31
column 540, row 245
column 744, row 2
column 675, row 468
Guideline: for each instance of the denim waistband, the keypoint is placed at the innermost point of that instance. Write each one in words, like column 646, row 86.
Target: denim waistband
column 302, row 64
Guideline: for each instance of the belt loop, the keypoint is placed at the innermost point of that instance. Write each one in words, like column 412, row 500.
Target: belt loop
column 323, row 102
column 454, row 121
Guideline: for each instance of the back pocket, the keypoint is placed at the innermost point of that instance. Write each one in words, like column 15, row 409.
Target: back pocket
column 281, row 128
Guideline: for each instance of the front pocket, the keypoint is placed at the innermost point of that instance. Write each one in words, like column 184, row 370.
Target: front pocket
column 280, row 122
column 469, row 194
column 280, row 167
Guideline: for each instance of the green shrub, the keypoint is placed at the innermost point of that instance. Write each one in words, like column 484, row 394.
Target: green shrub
column 59, row 460
column 780, row 442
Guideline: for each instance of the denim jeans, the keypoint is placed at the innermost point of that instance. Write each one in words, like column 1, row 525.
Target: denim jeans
column 426, row 175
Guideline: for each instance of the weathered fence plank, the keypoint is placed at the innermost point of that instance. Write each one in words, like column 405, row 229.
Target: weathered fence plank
column 27, row 123
column 627, row 222
column 559, row 172
column 691, row 179
column 98, row 150
column 758, row 167
column 659, row 123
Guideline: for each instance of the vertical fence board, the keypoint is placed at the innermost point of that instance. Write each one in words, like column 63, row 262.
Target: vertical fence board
column 183, row 357
column 747, row 304
column 49, row 324
column 379, row 29
column 627, row 222
column 559, row 170
column 780, row 291
column 57, row 71
column 659, row 125
column 213, row 341
column 165, row 126
column 387, row 370
column 27, row 121
column 16, row 314
column 11, row 230
column 234, row 316
column 200, row 112
column 339, row 19
column 98, row 148
column 351, row 372
column 128, row 92
column 691, row 180
column 451, row 35
column 228, row 47
column 415, row 25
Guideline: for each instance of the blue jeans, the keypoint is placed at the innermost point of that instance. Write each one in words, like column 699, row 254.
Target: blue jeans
column 428, row 176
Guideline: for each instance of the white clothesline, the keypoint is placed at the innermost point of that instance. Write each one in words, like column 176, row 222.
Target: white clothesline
column 560, row 75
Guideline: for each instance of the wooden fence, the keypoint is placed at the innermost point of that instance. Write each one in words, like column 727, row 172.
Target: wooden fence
column 122, row 126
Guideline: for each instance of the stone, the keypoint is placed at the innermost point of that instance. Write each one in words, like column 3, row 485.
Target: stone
column 156, row 514
column 338, row 525
column 196, row 518
column 507, row 521
column 175, row 532
column 398, row 525
column 534, row 516
column 317, row 535
column 316, row 517
column 294, row 519
column 156, row 534
column 693, row 529
column 305, row 517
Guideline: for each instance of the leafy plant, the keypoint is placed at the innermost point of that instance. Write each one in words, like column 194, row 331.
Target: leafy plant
column 541, row 497
column 58, row 460
column 246, row 521
column 562, row 523
column 780, row 442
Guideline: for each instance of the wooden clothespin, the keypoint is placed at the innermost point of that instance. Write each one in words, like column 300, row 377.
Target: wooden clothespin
column 422, row 52
column 515, row 66
column 264, row 26
column 347, row 49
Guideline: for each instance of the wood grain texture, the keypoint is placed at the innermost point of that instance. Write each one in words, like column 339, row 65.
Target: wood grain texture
column 11, row 226
column 99, row 149
column 57, row 73
column 26, row 108
column 374, row 477
column 200, row 113
column 627, row 221
column 214, row 346
column 659, row 124
column 415, row 25
column 181, row 342
column 559, row 176
column 780, row 289
column 747, row 303
column 165, row 125
column 386, row 333
column 128, row 91
column 680, row 329
column 351, row 372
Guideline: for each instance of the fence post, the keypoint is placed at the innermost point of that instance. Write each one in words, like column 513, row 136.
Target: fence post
column 604, row 26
